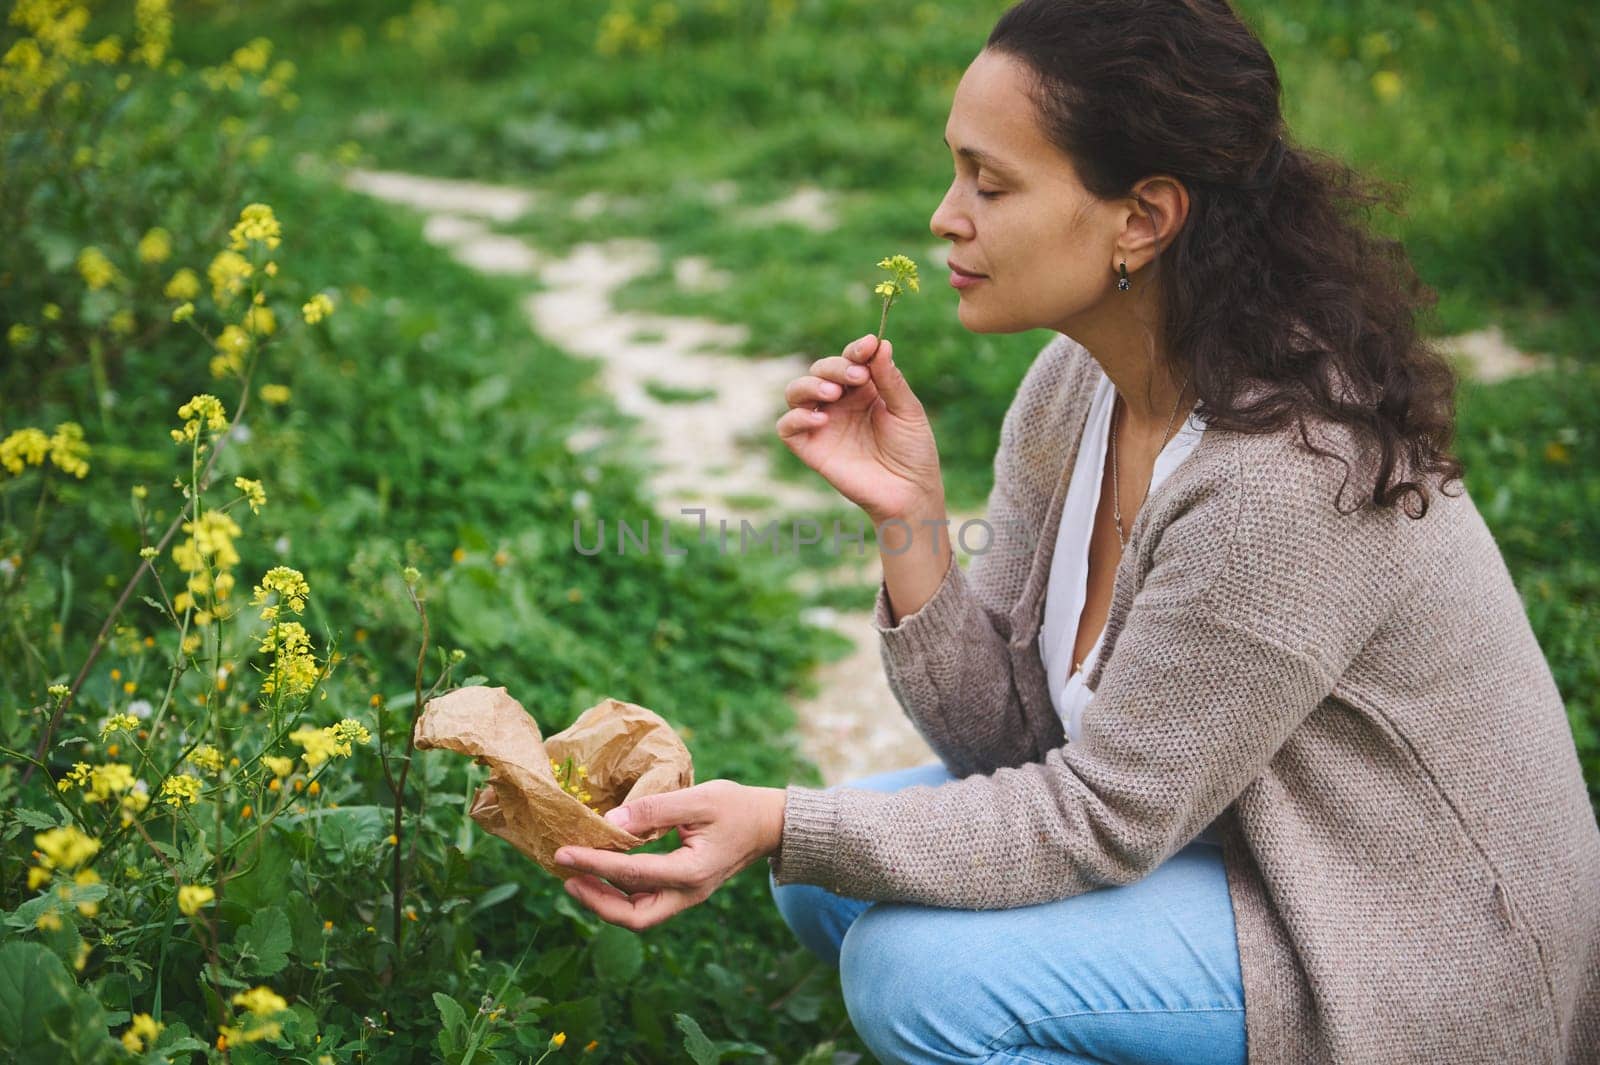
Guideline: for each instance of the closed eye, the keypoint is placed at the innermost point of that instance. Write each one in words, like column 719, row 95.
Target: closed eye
column 988, row 195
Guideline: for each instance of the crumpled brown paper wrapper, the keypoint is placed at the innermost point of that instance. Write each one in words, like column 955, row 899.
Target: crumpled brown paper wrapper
column 630, row 751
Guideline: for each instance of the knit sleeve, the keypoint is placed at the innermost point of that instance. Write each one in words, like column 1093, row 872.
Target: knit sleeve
column 949, row 663
column 1256, row 595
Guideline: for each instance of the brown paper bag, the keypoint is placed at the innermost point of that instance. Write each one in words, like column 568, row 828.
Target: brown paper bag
column 630, row 752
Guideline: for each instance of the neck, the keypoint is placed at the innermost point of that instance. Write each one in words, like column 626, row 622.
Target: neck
column 1120, row 342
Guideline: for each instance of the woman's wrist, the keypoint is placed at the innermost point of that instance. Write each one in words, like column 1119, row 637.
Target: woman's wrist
column 769, row 804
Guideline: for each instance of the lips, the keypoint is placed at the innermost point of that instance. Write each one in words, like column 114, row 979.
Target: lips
column 964, row 273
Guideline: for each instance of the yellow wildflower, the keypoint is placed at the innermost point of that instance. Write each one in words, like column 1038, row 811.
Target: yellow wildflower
column 280, row 767
column 252, row 58
column 253, row 493
column 183, row 312
column 289, row 585
column 20, row 335
column 1386, row 85
column 83, row 878
column 295, row 666
column 277, row 395
column 77, row 775
column 142, row 1031
column 38, row 876
column 191, row 897
column 65, row 848
column 184, row 285
column 179, row 789
column 51, row 312
column 96, row 269
column 227, row 274
column 107, row 50
column 202, row 408
column 155, row 246
column 330, row 742
column 256, row 222
column 207, row 758
column 261, row 1001
column 25, row 447
column 112, row 778
column 260, row 320
column 231, row 1036
column 558, row 1040
column 317, row 308
column 118, row 723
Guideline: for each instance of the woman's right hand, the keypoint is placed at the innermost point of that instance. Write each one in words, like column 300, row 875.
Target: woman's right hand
column 868, row 436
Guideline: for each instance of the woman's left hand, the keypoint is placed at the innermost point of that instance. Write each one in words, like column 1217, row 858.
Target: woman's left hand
column 724, row 826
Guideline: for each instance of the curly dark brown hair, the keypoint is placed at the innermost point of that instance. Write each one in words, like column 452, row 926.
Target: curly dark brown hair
column 1274, row 285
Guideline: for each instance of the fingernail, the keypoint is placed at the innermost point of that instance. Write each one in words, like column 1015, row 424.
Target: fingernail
column 563, row 857
column 856, row 373
column 618, row 817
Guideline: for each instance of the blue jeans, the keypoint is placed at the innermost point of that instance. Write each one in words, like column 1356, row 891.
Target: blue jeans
column 1137, row 974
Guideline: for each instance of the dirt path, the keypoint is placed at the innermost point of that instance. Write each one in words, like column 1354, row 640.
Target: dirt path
column 704, row 416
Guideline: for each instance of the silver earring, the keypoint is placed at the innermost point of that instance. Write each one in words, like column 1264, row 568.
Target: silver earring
column 1122, row 282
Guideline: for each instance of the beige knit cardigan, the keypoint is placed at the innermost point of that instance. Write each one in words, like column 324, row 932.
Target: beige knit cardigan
column 1413, row 861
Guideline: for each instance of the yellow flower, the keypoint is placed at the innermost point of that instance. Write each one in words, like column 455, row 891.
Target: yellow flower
column 330, row 742
column 112, row 778
column 227, row 274
column 84, row 878
column 118, row 723
column 207, row 758
column 97, row 270
column 77, row 775
column 317, row 308
column 259, row 1030
column 180, row 789
column 260, row 320
column 289, row 585
column 261, row 1001
column 295, row 666
column 590, row 1045
column 20, row 335
column 65, row 848
column 107, row 51
column 256, row 222
column 184, row 285
column 280, row 767
column 142, row 1031
column 183, row 312
column 277, row 395
column 51, row 312
column 155, row 246
column 558, row 1040
column 202, row 408
column 903, row 270
column 67, row 449
column 38, row 876
column 253, row 492
column 252, row 58
column 25, row 447
column 191, row 897
column 1387, row 85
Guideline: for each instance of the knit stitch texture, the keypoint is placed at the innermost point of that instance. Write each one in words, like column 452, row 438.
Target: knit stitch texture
column 1413, row 860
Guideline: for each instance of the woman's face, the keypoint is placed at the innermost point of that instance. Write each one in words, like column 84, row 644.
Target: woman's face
column 1017, row 214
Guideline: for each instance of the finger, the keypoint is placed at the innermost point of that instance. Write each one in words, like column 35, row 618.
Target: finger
column 635, row 912
column 804, row 391
column 799, row 421
column 892, row 385
column 629, row 871
column 840, row 370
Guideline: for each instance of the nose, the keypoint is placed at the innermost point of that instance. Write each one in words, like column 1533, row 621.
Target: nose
column 949, row 223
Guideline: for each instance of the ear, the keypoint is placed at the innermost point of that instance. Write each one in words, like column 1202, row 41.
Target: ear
column 1156, row 210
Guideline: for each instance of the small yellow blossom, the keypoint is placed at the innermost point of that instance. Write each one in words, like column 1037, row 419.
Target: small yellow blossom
column 261, row 1001
column 184, row 285
column 155, row 246
column 256, row 223
column 1387, row 85
column 227, row 273
column 183, row 312
column 191, row 897
column 96, row 269
column 118, row 723
column 51, row 312
column 20, row 335
column 260, row 321
column 60, row 691
column 317, row 308
column 277, row 395
column 279, row 766
column 179, row 789
column 65, row 848
column 202, row 408
column 142, row 1031
column 68, row 451
column 207, row 757
column 558, row 1040
column 253, row 493
column 25, row 447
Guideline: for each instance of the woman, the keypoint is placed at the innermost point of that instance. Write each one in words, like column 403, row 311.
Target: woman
column 1247, row 750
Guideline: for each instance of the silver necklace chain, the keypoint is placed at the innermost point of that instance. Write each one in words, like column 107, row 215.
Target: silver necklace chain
column 1116, row 494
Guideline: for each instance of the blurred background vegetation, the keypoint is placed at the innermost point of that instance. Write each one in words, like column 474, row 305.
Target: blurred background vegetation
column 427, row 423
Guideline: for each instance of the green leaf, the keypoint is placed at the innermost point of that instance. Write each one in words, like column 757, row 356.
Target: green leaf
column 701, row 1049
column 453, row 1026
column 35, row 819
column 264, row 943
column 497, row 894
column 44, row 1015
column 616, row 954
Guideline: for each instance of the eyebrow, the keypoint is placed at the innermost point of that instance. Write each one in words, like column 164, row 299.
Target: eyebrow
column 983, row 158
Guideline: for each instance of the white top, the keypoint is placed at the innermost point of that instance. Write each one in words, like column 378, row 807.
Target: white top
column 1069, row 565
